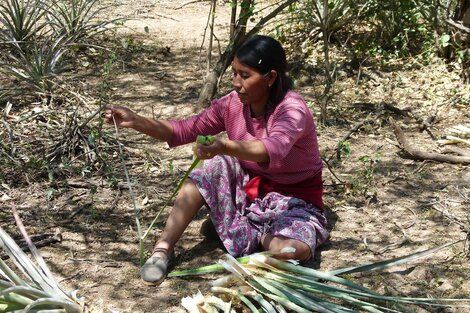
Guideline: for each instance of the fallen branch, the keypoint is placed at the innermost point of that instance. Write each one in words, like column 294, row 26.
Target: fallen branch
column 424, row 125
column 458, row 25
column 415, row 154
column 39, row 241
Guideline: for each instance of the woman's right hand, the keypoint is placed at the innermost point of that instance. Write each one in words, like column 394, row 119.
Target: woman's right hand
column 122, row 116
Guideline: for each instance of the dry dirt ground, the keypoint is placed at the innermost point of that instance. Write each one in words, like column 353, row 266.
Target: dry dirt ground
column 380, row 205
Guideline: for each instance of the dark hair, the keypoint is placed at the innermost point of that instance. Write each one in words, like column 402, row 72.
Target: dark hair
column 264, row 54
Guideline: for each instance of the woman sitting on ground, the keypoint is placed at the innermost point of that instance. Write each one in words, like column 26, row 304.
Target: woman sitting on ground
column 263, row 184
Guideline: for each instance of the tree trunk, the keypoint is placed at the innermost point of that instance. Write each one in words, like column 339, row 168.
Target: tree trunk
column 462, row 14
column 211, row 82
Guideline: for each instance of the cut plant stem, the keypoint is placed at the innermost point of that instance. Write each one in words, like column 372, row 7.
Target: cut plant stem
column 200, row 140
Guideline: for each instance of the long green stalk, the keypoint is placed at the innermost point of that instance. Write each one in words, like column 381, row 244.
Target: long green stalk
column 303, row 284
column 392, row 262
column 213, row 268
column 266, row 289
column 16, row 299
column 334, row 306
column 38, row 289
column 178, row 187
column 302, row 289
column 206, row 269
column 267, row 307
column 201, row 140
column 262, row 259
column 23, row 290
column 321, row 288
column 300, row 299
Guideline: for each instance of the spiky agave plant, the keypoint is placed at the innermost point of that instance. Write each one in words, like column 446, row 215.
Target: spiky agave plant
column 262, row 283
column 38, row 67
column 76, row 19
column 21, row 21
column 36, row 290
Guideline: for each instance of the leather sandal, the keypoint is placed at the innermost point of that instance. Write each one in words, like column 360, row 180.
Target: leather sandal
column 155, row 269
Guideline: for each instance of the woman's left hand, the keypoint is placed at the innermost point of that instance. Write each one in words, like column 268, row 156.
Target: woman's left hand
column 209, row 150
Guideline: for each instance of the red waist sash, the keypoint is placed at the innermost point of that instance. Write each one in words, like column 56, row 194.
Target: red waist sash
column 309, row 190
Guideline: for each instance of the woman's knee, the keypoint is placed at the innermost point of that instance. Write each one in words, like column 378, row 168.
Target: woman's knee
column 302, row 251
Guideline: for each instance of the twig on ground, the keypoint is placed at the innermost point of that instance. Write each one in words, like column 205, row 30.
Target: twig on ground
column 332, row 172
column 464, row 227
column 9, row 156
column 113, row 204
column 353, row 130
column 78, row 273
column 397, row 244
column 425, row 125
column 413, row 221
column 89, row 183
column 76, row 212
column 190, row 2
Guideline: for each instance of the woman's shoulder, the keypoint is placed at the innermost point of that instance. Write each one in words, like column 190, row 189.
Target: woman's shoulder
column 226, row 106
column 293, row 96
column 225, row 99
column 293, row 100
column 223, row 103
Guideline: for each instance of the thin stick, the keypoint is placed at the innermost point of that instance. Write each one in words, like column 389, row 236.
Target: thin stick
column 211, row 35
column 131, row 192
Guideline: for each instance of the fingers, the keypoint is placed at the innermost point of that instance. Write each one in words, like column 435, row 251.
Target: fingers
column 203, row 155
column 208, row 150
column 121, row 116
column 108, row 115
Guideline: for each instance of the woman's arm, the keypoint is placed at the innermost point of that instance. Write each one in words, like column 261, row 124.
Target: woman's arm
column 124, row 117
column 253, row 150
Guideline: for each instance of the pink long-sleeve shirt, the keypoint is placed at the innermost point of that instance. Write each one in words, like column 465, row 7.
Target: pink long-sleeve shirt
column 289, row 135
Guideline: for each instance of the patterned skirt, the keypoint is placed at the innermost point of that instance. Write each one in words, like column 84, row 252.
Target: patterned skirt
column 240, row 223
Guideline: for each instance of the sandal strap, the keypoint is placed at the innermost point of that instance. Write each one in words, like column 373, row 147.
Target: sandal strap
column 163, row 251
column 160, row 250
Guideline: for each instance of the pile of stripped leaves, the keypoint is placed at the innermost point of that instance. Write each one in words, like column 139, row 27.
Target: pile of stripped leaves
column 262, row 283
column 36, row 290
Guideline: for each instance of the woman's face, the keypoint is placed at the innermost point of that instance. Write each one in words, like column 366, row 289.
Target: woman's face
column 252, row 87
